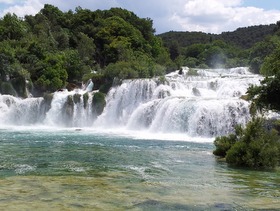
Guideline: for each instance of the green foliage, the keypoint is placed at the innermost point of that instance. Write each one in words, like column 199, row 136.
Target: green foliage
column 98, row 79
column 98, row 102
column 214, row 56
column 86, row 49
column 8, row 89
column 192, row 72
column 191, row 62
column 12, row 27
column 140, row 65
column 242, row 47
column 271, row 63
column 73, row 65
column 223, row 144
column 255, row 65
column 174, row 50
column 254, row 146
column 266, row 96
column 55, row 48
column 54, row 74
column 122, row 70
column 246, row 37
column 85, row 99
column 259, row 51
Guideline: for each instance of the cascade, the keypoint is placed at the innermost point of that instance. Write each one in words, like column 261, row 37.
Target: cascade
column 61, row 109
column 16, row 111
column 201, row 102
column 70, row 109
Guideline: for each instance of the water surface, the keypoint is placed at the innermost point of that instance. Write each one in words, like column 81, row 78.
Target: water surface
column 88, row 170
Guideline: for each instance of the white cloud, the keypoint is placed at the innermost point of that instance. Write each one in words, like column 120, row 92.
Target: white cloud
column 29, row 7
column 7, row 1
column 216, row 16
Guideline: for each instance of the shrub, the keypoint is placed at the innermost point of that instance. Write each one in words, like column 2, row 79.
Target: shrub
column 223, row 144
column 254, row 146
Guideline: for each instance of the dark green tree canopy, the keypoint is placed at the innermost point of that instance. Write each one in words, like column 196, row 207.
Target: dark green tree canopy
column 57, row 48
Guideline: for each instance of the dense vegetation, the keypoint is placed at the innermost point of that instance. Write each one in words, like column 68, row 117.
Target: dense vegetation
column 56, row 49
column 255, row 146
column 243, row 47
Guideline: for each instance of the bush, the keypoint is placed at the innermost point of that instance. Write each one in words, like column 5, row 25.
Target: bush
column 223, row 144
column 254, row 146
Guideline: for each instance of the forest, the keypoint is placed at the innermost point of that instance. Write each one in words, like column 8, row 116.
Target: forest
column 54, row 50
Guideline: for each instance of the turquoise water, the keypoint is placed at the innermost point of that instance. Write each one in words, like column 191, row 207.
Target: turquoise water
column 89, row 170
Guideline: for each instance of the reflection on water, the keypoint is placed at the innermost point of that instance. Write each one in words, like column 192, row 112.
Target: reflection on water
column 87, row 171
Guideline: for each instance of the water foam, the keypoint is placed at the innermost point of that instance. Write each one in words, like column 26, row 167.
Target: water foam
column 203, row 103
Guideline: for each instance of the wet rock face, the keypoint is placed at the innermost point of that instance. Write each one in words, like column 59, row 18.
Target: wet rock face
column 8, row 89
column 68, row 110
column 77, row 98
column 196, row 92
column 98, row 103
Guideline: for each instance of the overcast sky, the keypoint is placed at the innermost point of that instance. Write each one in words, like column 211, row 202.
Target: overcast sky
column 213, row 16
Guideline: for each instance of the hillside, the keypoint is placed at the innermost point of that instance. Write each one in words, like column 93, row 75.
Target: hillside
column 242, row 37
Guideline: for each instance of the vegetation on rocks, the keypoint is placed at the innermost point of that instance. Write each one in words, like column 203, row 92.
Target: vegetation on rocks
column 254, row 146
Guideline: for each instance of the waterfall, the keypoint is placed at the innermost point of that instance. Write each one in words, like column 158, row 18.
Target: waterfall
column 202, row 102
column 61, row 109
column 205, row 104
column 70, row 109
column 16, row 111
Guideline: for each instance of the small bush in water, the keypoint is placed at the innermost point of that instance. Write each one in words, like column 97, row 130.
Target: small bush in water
column 254, row 146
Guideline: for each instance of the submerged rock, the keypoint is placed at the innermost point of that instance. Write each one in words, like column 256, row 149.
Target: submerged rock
column 196, row 92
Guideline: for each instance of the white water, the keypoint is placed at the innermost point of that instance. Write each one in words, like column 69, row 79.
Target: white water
column 205, row 105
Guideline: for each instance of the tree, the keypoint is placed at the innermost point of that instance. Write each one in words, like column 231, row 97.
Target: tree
column 86, row 48
column 271, row 63
column 54, row 74
column 115, row 33
column 11, row 27
column 259, row 51
column 214, row 56
column 73, row 65
column 5, row 66
column 266, row 96
column 174, row 50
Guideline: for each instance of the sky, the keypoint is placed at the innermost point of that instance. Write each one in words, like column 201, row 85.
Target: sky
column 210, row 16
